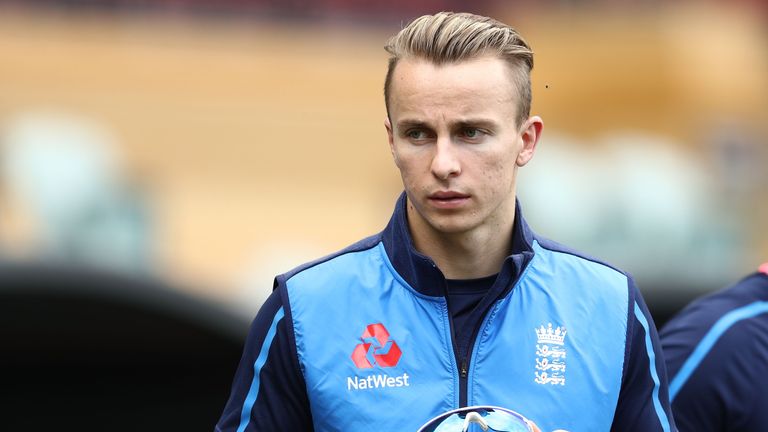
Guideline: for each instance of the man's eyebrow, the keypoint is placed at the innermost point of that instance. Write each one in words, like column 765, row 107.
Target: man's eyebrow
column 477, row 122
column 463, row 123
column 412, row 123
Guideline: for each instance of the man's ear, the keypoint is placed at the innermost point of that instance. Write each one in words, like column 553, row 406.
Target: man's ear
column 529, row 135
column 390, row 138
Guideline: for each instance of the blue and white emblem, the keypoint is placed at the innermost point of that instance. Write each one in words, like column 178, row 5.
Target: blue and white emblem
column 550, row 355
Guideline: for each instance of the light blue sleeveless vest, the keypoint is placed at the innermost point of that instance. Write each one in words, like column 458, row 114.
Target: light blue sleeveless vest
column 377, row 355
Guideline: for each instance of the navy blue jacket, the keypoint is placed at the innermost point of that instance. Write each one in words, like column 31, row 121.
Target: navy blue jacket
column 717, row 357
column 362, row 340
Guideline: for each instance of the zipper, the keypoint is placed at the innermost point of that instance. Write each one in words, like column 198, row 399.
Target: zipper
column 463, row 354
column 464, row 367
column 463, row 382
column 466, row 355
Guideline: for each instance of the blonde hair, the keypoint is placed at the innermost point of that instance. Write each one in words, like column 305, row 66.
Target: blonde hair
column 449, row 37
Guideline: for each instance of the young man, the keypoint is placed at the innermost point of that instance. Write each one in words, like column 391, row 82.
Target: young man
column 456, row 302
column 717, row 356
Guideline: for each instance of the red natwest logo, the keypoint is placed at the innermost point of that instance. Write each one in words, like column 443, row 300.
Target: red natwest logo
column 377, row 348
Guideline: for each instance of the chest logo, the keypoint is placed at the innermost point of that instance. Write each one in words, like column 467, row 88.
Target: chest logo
column 376, row 348
column 550, row 355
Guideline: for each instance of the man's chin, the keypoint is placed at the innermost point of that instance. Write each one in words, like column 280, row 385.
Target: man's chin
column 451, row 225
column 448, row 222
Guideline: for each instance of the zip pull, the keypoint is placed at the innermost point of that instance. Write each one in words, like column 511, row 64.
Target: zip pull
column 463, row 368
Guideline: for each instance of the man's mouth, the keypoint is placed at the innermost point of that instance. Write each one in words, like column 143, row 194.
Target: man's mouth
column 448, row 199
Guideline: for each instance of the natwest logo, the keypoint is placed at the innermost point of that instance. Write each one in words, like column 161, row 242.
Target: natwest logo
column 377, row 348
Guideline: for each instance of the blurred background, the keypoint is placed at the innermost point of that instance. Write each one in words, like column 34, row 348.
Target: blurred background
column 161, row 161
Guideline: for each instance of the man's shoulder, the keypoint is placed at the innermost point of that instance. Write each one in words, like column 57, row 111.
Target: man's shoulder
column 365, row 244
column 578, row 259
column 580, row 277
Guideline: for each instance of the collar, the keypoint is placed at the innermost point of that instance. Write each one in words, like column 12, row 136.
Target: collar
column 421, row 273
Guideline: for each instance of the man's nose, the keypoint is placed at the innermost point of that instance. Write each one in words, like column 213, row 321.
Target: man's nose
column 445, row 162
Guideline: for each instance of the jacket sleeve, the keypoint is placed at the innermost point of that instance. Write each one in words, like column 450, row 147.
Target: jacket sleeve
column 268, row 391
column 643, row 404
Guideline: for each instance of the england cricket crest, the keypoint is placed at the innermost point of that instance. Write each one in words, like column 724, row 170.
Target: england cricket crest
column 550, row 355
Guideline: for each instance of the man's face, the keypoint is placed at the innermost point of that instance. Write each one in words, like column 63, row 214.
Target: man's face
column 454, row 138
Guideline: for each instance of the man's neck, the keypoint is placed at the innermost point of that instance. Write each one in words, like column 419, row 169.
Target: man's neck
column 464, row 255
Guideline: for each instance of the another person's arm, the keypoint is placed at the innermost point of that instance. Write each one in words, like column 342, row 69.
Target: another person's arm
column 717, row 357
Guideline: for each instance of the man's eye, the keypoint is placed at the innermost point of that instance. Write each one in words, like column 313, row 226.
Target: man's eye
column 472, row 133
column 416, row 134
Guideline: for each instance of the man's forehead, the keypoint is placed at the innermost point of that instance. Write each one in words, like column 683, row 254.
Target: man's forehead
column 474, row 88
column 419, row 68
